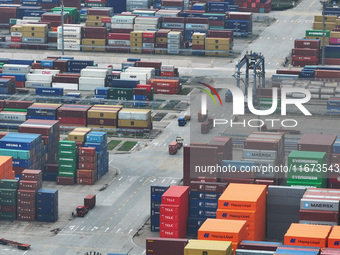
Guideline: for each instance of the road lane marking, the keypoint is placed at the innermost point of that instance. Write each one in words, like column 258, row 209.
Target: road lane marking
column 163, row 180
column 76, row 229
column 130, row 230
column 106, row 230
column 72, row 227
column 120, row 178
column 141, row 180
column 82, row 228
column 94, row 228
column 117, row 230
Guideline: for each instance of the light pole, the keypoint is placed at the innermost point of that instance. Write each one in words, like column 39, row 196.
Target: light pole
column 323, row 31
column 62, row 27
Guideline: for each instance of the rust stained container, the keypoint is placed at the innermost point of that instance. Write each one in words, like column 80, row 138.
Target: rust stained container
column 87, row 166
column 91, row 174
column 69, row 121
column 94, row 30
column 315, row 142
column 72, row 112
column 90, row 201
column 31, row 175
column 197, row 20
column 305, row 52
column 293, row 72
column 85, row 151
column 87, row 159
column 60, row 64
column 35, row 129
column 155, row 245
column 326, row 74
column 156, row 65
column 30, row 185
column 221, row 33
column 26, row 209
column 26, row 194
column 86, row 181
column 51, row 168
column 65, row 180
column 17, row 104
column 26, row 202
column 26, row 217
column 319, row 215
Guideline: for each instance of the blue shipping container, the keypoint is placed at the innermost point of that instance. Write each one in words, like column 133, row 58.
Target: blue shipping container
column 50, row 91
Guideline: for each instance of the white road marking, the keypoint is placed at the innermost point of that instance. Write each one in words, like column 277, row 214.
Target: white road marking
column 131, row 179
column 268, row 63
column 117, row 230
column 120, row 178
column 153, row 180
column 71, row 227
column 163, row 180
column 106, row 230
column 82, row 228
column 141, row 179
column 76, row 229
column 164, row 144
column 130, row 230
column 24, row 252
column 110, row 161
column 268, row 38
column 285, row 21
column 94, row 228
column 277, row 64
column 291, row 38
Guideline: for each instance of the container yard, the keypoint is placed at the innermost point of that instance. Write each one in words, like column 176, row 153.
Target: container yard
column 169, row 127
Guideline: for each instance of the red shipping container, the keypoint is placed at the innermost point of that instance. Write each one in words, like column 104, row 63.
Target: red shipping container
column 307, row 43
column 168, row 209
column 20, row 84
column 72, row 121
column 164, row 83
column 151, row 34
column 87, row 159
column 27, row 210
column 16, row 39
column 31, row 175
column 118, row 36
column 82, row 173
column 30, row 185
column 332, row 61
column 87, row 166
column 90, row 201
column 17, row 104
column 319, row 215
column 85, row 151
column 181, row 233
column 51, row 168
column 176, row 195
column 293, row 72
column 85, row 181
column 304, row 58
column 156, row 65
column 26, row 217
column 164, row 90
column 306, row 52
column 26, row 202
column 167, row 74
column 65, row 180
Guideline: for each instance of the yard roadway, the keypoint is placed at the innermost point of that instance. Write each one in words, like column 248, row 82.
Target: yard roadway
column 124, row 206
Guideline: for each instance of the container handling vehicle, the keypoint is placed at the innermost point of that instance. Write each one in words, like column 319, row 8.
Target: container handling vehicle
column 176, row 145
column 182, row 121
column 20, row 246
column 89, row 203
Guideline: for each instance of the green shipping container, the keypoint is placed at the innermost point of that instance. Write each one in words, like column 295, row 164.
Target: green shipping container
column 307, row 184
column 9, row 184
column 120, row 93
column 16, row 154
column 69, row 10
column 95, row 5
column 66, row 168
column 8, row 201
column 67, row 153
column 317, row 33
column 8, row 193
column 14, row 110
column 67, row 145
column 8, row 216
column 69, row 163
column 66, row 174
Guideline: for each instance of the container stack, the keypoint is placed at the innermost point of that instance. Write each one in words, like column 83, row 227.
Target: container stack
column 283, row 209
column 94, row 39
column 31, row 182
column 34, row 36
column 67, row 162
column 87, row 166
column 122, row 24
column 16, row 37
column 198, row 43
column 19, row 71
column 162, row 41
column 8, row 195
column 234, row 231
column 118, row 42
column 78, row 135
column 333, row 178
column 134, row 119
column 43, row 111
column 195, row 24
column 162, row 86
column 306, row 52
column 330, row 24
column 303, row 249
column 174, row 212
column 136, row 42
column 156, row 201
column 245, row 202
column 28, row 152
column 175, row 42
column 208, row 247
column 302, row 174
column 146, row 23
column 47, row 205
column 7, row 86
column 133, row 5
column 307, row 235
column 103, row 116
column 165, row 246
column 334, row 239
column 262, row 6
column 217, row 46
column 73, row 115
column 203, row 203
column 98, row 140
column 95, row 16
column 149, row 40
column 320, row 207
column 72, row 37
column 255, row 247
column 240, row 22
column 50, row 134
column 91, row 78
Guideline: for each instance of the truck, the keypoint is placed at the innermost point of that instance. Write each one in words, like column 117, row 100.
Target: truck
column 20, row 246
column 176, row 145
column 89, row 203
column 181, row 122
column 228, row 96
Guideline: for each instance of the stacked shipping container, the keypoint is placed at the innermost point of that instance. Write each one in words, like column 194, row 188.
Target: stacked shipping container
column 8, row 196
column 156, row 201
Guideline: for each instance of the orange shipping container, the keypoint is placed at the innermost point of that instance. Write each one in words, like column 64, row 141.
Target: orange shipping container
column 223, row 230
column 6, row 168
column 243, row 197
column 307, row 235
column 334, row 237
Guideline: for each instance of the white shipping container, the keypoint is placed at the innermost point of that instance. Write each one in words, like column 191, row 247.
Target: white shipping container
column 314, row 90
column 259, row 154
column 65, row 86
column 144, row 27
column 174, row 46
column 174, row 41
column 98, row 82
column 67, row 46
column 90, row 87
column 173, row 51
column 123, row 19
column 167, row 68
column 325, row 96
column 298, row 95
column 174, row 35
column 45, row 71
column 39, row 77
column 23, row 22
column 119, row 42
column 149, row 71
column 69, row 36
column 20, row 69
column 125, row 115
column 331, row 84
column 121, row 26
column 148, row 45
column 37, row 84
column 142, row 77
column 16, row 34
column 69, row 41
column 147, row 20
column 68, row 30
column 315, row 96
column 31, row 18
column 97, row 73
column 329, row 91
column 13, row 116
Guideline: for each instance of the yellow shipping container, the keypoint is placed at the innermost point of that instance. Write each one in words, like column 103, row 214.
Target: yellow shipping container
column 161, row 51
column 216, row 47
column 136, row 45
column 217, row 41
column 136, row 40
column 335, row 34
column 329, row 25
column 198, row 42
column 319, row 18
column 198, row 36
column 16, row 28
column 95, row 18
column 34, row 34
column 199, row 247
column 96, row 42
column 217, row 53
column 136, row 34
column 87, row 130
column 90, row 23
column 35, row 28
column 134, row 50
column 77, row 136
column 133, row 123
column 102, row 113
column 108, row 127
column 161, row 40
column 337, row 22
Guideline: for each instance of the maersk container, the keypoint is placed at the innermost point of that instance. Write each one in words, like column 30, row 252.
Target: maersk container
column 50, row 91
